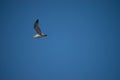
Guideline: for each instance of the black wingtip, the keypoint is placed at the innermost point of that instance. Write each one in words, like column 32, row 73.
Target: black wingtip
column 37, row 20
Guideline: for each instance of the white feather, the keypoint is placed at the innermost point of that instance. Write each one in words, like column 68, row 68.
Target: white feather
column 37, row 36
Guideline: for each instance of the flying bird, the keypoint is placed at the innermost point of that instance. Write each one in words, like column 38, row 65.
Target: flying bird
column 39, row 33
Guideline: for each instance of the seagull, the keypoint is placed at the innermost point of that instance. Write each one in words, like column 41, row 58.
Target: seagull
column 39, row 33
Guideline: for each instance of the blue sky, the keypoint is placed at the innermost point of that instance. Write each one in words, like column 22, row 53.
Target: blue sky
column 83, row 41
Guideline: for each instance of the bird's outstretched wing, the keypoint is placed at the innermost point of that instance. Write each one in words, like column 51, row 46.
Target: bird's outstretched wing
column 36, row 27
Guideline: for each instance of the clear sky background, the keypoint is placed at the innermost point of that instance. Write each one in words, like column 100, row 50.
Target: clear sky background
column 83, row 41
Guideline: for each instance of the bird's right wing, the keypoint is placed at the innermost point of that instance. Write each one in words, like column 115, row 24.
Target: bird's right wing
column 36, row 27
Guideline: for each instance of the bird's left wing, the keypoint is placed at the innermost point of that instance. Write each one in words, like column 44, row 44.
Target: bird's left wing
column 36, row 27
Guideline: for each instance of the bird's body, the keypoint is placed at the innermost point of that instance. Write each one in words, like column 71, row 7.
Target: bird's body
column 39, row 33
column 39, row 36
